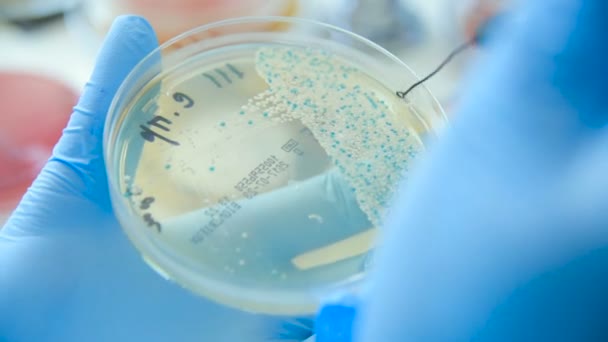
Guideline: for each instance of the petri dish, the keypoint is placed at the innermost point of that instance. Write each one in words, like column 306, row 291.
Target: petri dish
column 255, row 168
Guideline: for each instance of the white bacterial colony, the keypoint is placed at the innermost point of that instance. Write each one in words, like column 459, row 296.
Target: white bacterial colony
column 347, row 114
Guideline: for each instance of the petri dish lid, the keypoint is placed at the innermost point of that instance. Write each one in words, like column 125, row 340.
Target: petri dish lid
column 255, row 167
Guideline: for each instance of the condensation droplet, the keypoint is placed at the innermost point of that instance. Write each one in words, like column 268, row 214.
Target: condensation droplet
column 316, row 217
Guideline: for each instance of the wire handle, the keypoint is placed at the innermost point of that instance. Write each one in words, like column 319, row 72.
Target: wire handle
column 454, row 53
column 486, row 28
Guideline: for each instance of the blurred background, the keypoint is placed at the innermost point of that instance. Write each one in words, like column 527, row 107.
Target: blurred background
column 48, row 49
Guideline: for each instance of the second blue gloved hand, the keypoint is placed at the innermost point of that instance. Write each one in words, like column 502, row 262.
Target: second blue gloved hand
column 504, row 234
column 68, row 273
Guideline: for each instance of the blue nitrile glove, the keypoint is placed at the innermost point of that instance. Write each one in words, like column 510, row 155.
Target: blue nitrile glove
column 503, row 236
column 67, row 271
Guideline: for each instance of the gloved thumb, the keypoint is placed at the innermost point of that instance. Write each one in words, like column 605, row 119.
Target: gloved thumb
column 562, row 43
column 558, row 41
column 129, row 40
column 542, row 82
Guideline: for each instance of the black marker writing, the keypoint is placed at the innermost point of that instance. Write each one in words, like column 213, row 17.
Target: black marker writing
column 159, row 122
column 145, row 203
column 224, row 73
column 234, row 70
column 181, row 97
column 151, row 222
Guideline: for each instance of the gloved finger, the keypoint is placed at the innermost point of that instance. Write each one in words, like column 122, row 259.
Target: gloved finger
column 129, row 40
column 335, row 321
column 556, row 43
column 304, row 225
column 543, row 77
column 460, row 244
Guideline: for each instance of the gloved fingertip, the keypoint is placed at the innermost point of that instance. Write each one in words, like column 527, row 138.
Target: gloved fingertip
column 137, row 28
column 335, row 320
column 131, row 22
column 131, row 33
column 130, row 39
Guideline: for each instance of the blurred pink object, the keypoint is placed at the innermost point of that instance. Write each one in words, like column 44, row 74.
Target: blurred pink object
column 170, row 18
column 34, row 111
column 470, row 15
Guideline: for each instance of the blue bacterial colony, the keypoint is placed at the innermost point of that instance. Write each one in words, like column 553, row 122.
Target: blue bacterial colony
column 349, row 113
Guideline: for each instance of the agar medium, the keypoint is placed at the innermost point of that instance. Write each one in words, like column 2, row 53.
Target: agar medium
column 255, row 168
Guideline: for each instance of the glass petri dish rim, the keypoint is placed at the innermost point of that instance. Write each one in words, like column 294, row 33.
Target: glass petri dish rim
column 271, row 301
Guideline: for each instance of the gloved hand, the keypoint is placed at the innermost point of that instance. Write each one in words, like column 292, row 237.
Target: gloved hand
column 503, row 234
column 68, row 273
